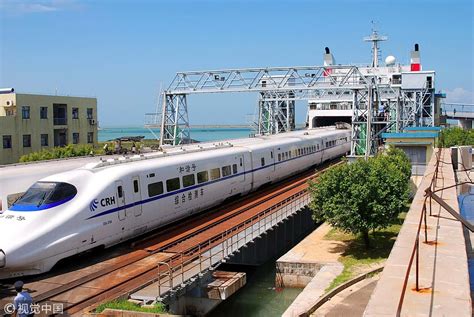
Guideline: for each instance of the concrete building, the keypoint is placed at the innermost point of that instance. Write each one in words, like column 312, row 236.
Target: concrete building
column 418, row 143
column 31, row 123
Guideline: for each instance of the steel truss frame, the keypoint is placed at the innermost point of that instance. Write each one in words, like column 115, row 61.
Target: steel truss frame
column 280, row 87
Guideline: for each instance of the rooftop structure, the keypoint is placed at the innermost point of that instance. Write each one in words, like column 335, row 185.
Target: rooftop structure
column 31, row 122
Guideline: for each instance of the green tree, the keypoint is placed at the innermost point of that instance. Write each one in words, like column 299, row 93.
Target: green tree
column 364, row 195
column 455, row 136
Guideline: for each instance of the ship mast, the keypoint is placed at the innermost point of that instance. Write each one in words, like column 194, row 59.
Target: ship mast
column 375, row 38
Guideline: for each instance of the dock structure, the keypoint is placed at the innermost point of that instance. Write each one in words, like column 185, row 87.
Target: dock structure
column 426, row 273
column 459, row 111
column 374, row 98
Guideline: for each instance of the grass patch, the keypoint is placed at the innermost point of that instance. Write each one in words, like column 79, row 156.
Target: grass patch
column 356, row 256
column 126, row 305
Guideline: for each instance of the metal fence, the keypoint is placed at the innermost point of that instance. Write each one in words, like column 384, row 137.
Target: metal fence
column 189, row 264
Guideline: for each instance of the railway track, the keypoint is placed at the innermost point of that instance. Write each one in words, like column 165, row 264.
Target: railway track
column 128, row 272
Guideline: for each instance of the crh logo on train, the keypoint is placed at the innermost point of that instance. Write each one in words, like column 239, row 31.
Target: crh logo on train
column 104, row 202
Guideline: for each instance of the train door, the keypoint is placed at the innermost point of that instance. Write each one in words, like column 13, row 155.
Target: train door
column 122, row 213
column 136, row 196
column 242, row 167
column 272, row 158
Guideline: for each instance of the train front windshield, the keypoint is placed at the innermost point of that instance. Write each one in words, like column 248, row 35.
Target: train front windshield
column 46, row 193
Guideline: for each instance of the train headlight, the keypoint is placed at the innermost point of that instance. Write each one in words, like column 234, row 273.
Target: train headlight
column 3, row 260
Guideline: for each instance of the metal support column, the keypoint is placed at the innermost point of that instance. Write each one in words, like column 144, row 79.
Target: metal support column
column 174, row 123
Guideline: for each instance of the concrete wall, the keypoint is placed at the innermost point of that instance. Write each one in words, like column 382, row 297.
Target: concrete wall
column 12, row 123
column 276, row 241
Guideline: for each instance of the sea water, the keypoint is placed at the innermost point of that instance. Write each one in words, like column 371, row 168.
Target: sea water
column 198, row 134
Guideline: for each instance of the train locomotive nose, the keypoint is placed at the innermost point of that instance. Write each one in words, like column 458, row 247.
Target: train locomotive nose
column 3, row 259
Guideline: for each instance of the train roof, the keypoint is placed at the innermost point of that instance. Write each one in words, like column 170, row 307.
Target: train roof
column 235, row 144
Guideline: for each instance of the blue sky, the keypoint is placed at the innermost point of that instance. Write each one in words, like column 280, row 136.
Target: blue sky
column 122, row 51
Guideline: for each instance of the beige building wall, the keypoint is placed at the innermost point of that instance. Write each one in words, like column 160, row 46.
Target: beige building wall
column 58, row 123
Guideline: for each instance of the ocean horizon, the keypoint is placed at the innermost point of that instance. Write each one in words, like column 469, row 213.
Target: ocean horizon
column 199, row 133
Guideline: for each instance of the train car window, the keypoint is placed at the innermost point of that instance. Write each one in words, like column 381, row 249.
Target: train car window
column 241, row 162
column 155, row 189
column 289, row 154
column 299, row 151
column 279, row 157
column 202, row 177
column 120, row 191
column 226, row 171
column 262, row 161
column 271, row 154
column 172, row 184
column 215, row 173
column 189, row 180
column 234, row 168
column 135, row 186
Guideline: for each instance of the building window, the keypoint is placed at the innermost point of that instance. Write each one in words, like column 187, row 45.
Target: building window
column 90, row 137
column 25, row 112
column 75, row 138
column 7, row 141
column 44, row 140
column 75, row 113
column 44, row 113
column 26, row 140
column 89, row 113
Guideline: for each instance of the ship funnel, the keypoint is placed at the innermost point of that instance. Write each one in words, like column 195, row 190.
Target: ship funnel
column 415, row 60
column 328, row 58
column 6, row 90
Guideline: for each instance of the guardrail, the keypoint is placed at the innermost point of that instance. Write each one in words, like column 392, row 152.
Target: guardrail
column 458, row 107
column 430, row 194
column 188, row 264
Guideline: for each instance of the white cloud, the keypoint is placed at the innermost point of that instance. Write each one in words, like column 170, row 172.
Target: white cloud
column 459, row 95
column 36, row 6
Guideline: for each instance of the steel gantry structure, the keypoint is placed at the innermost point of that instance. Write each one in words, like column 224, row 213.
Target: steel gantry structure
column 377, row 107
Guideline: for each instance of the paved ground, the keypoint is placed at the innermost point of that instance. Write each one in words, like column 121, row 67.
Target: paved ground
column 314, row 248
column 351, row 302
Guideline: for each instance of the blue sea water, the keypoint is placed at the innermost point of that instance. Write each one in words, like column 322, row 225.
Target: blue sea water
column 199, row 134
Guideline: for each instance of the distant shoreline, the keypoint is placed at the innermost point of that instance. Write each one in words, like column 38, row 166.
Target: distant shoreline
column 196, row 126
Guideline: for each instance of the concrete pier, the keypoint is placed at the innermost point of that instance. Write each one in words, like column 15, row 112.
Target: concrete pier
column 311, row 264
column 443, row 268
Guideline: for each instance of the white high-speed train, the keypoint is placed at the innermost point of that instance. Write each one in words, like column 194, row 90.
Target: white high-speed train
column 104, row 203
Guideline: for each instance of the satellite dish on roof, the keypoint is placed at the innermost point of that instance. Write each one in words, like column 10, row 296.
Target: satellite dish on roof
column 390, row 60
